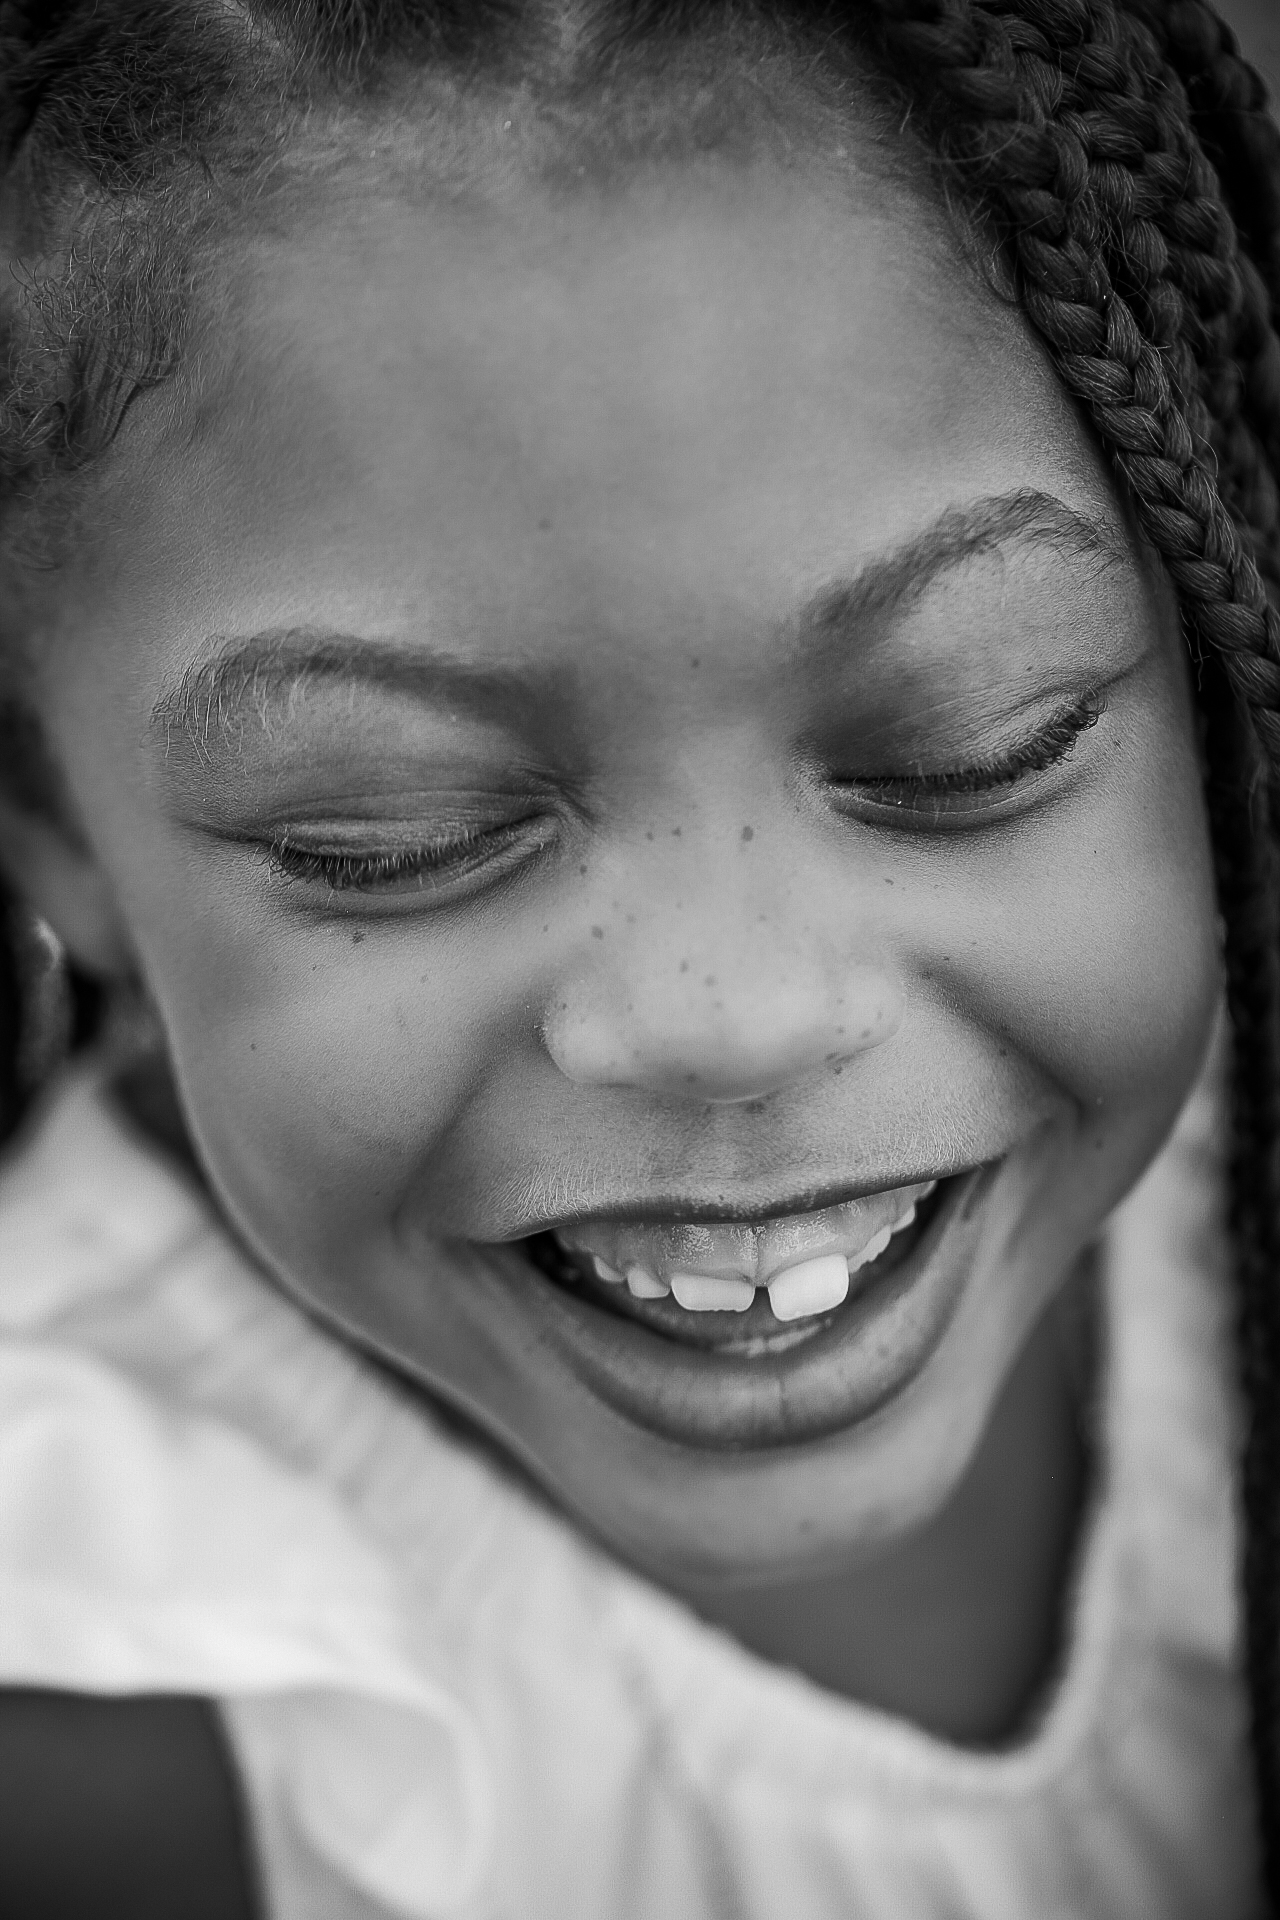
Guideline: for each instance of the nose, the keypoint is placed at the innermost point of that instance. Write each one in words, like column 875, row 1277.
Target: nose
column 707, row 1019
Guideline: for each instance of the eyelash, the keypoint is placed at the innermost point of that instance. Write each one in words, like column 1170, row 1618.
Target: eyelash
column 352, row 872
column 450, row 861
column 1052, row 745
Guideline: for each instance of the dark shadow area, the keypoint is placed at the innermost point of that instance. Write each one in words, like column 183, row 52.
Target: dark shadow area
column 118, row 1809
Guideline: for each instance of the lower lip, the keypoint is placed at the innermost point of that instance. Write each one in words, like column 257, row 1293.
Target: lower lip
column 855, row 1361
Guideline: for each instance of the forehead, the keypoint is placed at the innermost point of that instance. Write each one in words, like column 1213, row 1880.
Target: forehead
column 710, row 390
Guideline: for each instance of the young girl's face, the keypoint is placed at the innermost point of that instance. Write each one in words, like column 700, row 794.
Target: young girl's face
column 585, row 730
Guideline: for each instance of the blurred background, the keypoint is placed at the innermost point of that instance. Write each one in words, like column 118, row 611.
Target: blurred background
column 1257, row 22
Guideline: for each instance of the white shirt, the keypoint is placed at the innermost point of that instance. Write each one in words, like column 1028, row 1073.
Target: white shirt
column 444, row 1701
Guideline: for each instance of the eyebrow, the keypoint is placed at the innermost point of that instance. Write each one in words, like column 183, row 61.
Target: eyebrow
column 285, row 662
column 1026, row 518
column 212, row 691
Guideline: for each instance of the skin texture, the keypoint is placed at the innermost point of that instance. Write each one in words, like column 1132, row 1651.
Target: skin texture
column 622, row 446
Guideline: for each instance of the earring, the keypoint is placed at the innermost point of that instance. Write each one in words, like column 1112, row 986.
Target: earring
column 46, row 1006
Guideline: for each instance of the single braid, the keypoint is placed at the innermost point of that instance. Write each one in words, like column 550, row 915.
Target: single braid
column 1070, row 119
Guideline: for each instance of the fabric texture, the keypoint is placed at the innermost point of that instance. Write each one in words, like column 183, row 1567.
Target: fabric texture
column 445, row 1702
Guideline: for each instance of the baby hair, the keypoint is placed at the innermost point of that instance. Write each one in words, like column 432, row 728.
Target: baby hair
column 1117, row 152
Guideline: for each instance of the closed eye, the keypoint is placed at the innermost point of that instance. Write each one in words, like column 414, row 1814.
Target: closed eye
column 474, row 857
column 965, row 790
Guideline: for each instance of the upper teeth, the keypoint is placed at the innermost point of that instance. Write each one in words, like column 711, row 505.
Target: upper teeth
column 797, row 1287
column 645, row 1285
column 713, row 1292
column 815, row 1286
column 878, row 1242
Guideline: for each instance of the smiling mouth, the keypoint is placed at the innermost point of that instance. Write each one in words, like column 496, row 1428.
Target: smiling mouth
column 722, row 1367
column 748, row 1288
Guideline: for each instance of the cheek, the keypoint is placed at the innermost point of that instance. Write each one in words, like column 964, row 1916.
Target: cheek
column 322, row 1067
column 1095, row 942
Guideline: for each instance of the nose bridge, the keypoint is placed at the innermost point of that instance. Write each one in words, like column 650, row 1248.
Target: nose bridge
column 727, row 973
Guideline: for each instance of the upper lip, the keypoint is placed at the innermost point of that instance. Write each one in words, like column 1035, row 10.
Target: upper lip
column 726, row 1210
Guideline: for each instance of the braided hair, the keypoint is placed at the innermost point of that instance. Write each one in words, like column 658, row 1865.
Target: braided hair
column 1083, row 122
column 1121, row 149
